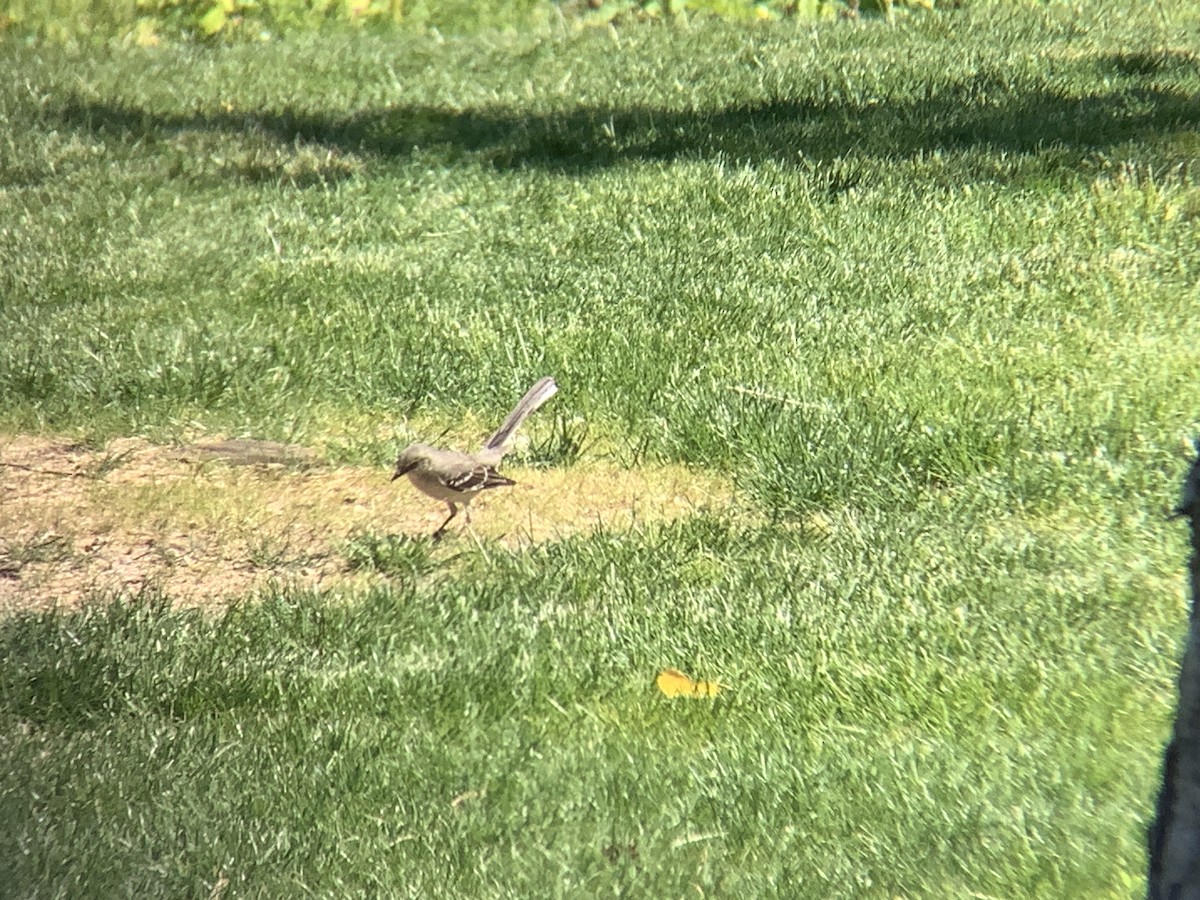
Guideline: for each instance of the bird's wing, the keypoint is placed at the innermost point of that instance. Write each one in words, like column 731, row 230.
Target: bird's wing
column 477, row 478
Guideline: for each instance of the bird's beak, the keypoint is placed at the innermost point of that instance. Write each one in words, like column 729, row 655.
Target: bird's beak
column 403, row 470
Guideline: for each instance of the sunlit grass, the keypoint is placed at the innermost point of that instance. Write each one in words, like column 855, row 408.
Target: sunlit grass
column 890, row 328
column 909, row 710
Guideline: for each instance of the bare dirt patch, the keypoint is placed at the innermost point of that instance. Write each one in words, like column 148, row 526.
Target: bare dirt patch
column 78, row 522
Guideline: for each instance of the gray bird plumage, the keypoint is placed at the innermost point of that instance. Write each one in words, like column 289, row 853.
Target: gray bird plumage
column 457, row 478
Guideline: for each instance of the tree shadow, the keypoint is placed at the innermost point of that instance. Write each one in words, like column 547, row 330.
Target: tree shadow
column 987, row 111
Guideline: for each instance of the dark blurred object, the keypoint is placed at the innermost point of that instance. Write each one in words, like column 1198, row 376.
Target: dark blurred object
column 1174, row 836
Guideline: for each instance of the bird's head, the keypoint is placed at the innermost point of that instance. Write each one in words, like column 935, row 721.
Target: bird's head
column 410, row 457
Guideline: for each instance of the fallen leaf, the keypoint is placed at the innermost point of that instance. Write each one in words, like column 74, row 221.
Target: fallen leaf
column 674, row 683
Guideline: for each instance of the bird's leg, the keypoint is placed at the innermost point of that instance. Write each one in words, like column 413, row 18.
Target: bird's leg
column 437, row 535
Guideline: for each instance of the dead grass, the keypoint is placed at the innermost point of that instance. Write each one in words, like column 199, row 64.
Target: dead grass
column 76, row 521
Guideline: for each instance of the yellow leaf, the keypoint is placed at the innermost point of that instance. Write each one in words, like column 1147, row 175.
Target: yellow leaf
column 674, row 683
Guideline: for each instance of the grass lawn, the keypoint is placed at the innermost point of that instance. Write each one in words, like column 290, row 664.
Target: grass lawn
column 881, row 339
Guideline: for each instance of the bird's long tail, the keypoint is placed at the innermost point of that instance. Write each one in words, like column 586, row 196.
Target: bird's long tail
column 543, row 390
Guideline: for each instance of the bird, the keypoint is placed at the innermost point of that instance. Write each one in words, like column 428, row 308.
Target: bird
column 456, row 478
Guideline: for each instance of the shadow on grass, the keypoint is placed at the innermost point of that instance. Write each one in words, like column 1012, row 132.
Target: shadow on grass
column 986, row 111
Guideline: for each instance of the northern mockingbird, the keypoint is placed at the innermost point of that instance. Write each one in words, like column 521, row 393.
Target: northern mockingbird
column 455, row 478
